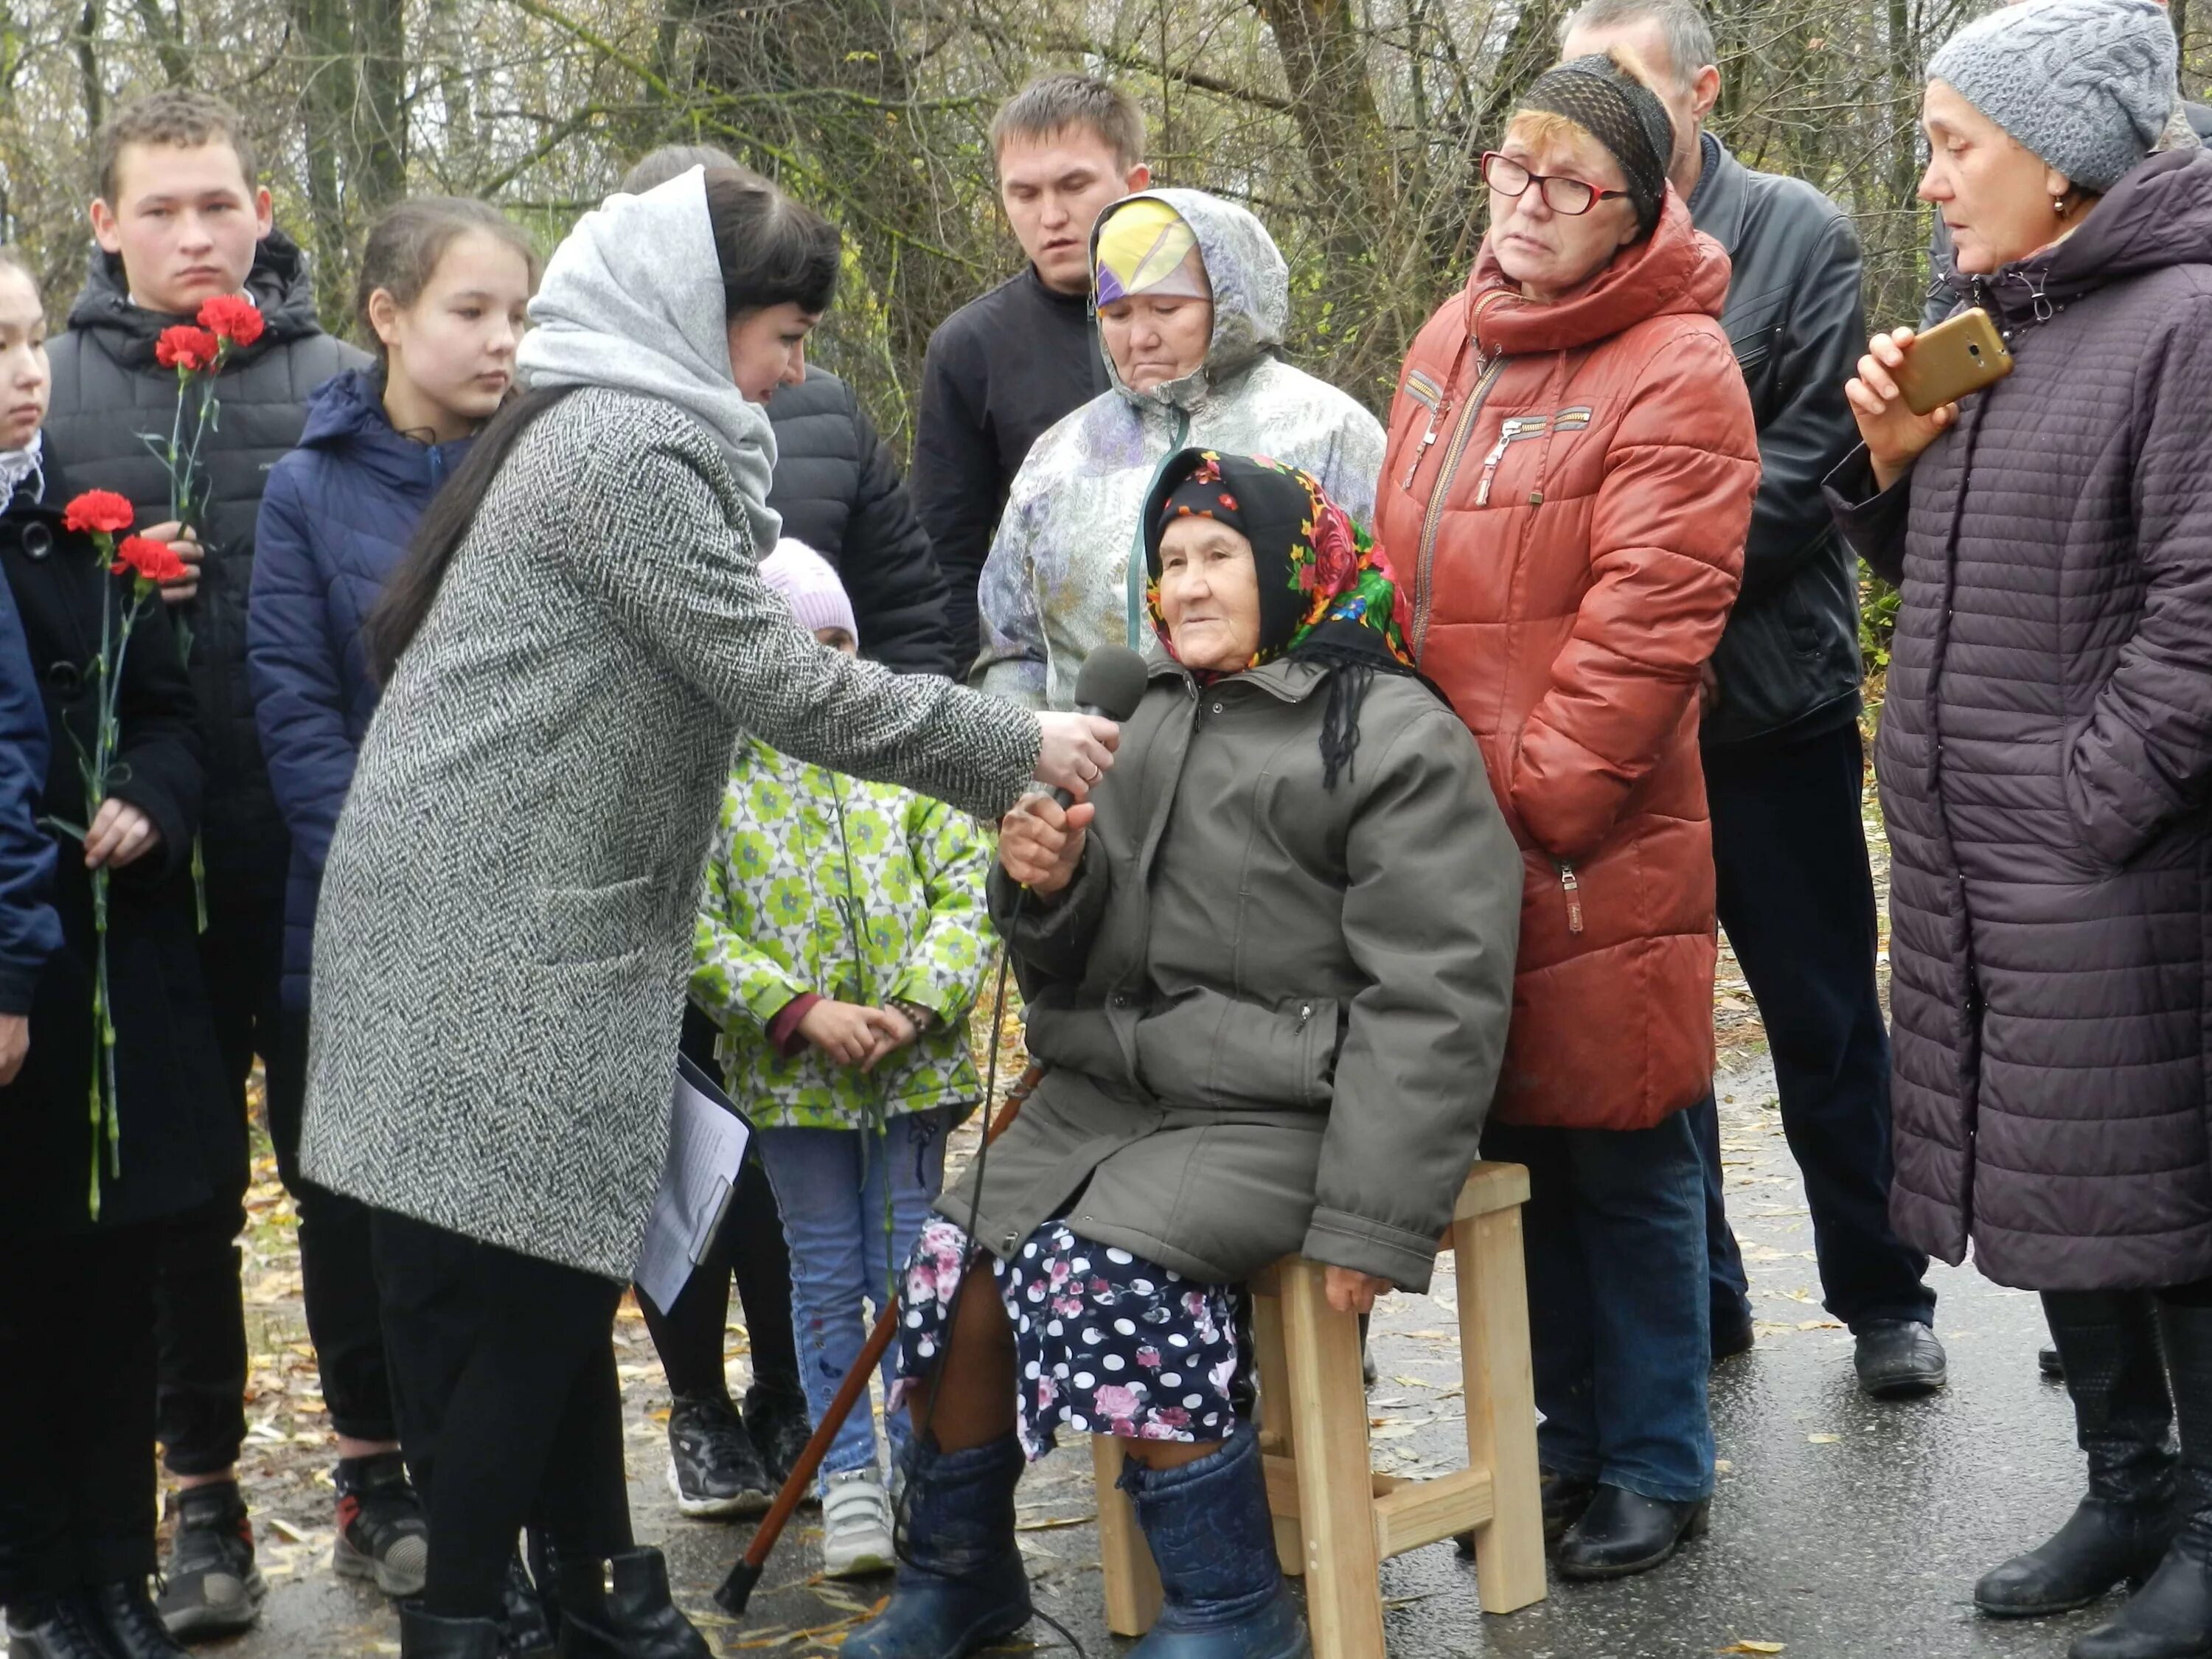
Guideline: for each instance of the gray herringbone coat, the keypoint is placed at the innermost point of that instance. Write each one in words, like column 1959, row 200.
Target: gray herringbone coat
column 505, row 930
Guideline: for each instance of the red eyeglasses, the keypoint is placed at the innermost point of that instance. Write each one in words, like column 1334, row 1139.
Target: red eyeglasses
column 1571, row 197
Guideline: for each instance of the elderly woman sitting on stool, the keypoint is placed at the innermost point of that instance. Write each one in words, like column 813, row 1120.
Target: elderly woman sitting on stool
column 1269, row 966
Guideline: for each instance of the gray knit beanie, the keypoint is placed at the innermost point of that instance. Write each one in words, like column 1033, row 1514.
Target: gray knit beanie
column 2085, row 85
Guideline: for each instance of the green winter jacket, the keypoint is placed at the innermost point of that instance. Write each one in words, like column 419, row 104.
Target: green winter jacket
column 1272, row 1014
column 808, row 863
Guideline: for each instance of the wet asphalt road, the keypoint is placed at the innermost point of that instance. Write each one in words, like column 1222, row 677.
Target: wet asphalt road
column 1842, row 1529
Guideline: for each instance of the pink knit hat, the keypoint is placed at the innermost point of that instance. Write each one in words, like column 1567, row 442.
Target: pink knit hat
column 809, row 585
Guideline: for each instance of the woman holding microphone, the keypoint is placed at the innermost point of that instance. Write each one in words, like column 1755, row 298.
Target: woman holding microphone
column 576, row 637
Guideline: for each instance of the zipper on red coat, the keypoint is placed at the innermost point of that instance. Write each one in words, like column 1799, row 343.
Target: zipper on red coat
column 1438, row 490
column 1571, row 884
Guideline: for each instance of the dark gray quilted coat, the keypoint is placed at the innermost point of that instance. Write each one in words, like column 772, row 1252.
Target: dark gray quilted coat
column 2046, row 757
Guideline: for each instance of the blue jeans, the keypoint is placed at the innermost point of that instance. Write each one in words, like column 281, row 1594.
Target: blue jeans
column 1614, row 1231
column 830, row 1185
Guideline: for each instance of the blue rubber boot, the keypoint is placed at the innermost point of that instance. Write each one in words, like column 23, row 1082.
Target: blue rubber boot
column 1214, row 1544
column 961, row 1585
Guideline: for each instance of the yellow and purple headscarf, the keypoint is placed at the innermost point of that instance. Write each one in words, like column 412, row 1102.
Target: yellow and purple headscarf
column 1144, row 246
column 1328, row 593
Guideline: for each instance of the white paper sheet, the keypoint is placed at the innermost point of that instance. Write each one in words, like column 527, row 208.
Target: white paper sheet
column 707, row 1141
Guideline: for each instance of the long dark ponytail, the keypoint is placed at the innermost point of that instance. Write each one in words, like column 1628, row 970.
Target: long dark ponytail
column 771, row 251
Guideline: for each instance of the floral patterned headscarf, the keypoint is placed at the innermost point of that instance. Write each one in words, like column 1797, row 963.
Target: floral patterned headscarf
column 1328, row 593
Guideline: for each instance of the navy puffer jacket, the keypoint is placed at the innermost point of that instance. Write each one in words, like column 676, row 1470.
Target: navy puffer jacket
column 334, row 519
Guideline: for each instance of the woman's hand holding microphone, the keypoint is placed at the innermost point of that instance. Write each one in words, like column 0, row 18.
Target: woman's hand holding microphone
column 1076, row 751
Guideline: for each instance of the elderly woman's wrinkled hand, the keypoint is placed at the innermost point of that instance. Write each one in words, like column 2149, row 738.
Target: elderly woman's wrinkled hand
column 1352, row 1292
column 1894, row 435
column 1040, row 843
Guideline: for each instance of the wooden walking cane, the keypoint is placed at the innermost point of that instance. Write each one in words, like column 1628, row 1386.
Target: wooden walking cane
column 737, row 1590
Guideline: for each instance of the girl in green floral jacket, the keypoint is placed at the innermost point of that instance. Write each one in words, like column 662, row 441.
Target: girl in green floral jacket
column 842, row 941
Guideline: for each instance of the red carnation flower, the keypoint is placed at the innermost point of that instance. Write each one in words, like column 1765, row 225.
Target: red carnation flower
column 235, row 320
column 100, row 510
column 186, row 348
column 157, row 562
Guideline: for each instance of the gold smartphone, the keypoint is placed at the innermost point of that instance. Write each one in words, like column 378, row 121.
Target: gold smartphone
column 1960, row 354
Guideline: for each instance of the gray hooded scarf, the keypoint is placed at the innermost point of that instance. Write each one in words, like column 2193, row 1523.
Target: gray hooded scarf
column 632, row 300
column 1059, row 582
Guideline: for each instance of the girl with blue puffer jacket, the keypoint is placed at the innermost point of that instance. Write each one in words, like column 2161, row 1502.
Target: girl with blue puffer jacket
column 444, row 283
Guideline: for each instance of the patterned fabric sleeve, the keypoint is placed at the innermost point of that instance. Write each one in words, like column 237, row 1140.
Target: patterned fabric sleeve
column 731, row 979
column 1012, row 664
column 949, row 960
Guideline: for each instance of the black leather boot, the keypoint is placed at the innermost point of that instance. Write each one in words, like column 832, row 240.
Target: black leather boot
column 2109, row 1343
column 422, row 1636
column 526, row 1624
column 2171, row 1616
column 1623, row 1532
column 632, row 1616
column 1213, row 1540
column 124, row 1613
column 54, row 1627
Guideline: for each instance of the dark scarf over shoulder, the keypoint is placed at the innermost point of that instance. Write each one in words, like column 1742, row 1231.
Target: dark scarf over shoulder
column 1328, row 594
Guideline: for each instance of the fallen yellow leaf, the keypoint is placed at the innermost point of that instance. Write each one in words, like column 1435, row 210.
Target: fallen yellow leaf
column 1752, row 1647
column 1824, row 1439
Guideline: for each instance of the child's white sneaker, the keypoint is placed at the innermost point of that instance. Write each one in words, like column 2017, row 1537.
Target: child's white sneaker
column 856, row 1525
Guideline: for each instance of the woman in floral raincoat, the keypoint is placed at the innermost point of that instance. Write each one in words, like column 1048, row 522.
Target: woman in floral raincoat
column 842, row 940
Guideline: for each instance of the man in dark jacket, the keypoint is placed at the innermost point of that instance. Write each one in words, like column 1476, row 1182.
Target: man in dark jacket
column 839, row 490
column 1783, row 754
column 180, row 221
column 1005, row 366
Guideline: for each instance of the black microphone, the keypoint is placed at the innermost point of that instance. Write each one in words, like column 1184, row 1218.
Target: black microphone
column 1111, row 684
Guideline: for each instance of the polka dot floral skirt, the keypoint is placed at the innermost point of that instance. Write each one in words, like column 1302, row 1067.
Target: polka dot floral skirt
column 1104, row 1341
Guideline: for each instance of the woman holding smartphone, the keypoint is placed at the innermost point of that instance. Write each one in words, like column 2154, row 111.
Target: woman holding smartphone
column 2046, row 759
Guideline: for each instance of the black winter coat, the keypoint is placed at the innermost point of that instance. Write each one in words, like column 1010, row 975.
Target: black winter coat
column 180, row 1129
column 1788, row 664
column 29, row 931
column 108, row 391
column 2046, row 762
column 999, row 371
column 839, row 491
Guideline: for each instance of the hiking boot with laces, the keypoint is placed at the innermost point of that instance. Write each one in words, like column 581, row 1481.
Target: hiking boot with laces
column 54, row 1627
column 126, row 1618
column 210, row 1585
column 777, row 1419
column 856, row 1525
column 382, row 1532
column 714, row 1468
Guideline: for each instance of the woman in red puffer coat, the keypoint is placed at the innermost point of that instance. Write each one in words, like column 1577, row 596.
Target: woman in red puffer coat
column 1570, row 478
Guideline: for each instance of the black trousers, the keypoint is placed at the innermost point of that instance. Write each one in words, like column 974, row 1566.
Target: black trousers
column 1796, row 897
column 510, row 1412
column 77, row 1411
column 751, row 1250
column 345, row 1316
column 201, row 1312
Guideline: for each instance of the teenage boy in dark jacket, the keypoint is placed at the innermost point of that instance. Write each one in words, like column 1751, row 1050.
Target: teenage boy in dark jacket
column 179, row 221
column 1781, row 745
column 1005, row 366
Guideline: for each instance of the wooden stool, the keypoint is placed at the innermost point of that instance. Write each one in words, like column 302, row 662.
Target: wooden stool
column 1336, row 1520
